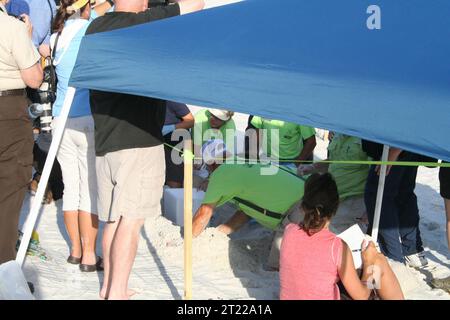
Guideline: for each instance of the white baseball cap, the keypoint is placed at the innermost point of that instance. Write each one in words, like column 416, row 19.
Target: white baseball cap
column 212, row 150
column 223, row 115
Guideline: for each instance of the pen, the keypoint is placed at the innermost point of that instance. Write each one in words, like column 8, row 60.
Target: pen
column 359, row 250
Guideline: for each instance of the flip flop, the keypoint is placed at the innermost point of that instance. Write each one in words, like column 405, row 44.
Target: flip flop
column 92, row 267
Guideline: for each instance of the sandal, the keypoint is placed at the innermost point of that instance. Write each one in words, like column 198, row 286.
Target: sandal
column 92, row 267
column 73, row 260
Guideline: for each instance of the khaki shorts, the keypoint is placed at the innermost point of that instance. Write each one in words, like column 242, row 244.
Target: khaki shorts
column 130, row 183
column 76, row 155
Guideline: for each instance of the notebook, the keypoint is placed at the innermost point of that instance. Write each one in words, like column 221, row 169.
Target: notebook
column 354, row 238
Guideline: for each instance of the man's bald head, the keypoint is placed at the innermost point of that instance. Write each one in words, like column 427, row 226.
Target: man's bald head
column 131, row 5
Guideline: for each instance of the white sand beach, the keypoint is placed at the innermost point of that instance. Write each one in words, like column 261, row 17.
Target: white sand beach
column 224, row 268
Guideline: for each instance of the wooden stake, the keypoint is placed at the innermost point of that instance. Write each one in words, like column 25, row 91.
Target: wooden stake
column 188, row 171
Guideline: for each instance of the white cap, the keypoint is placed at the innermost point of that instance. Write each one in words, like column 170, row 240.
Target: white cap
column 223, row 115
column 212, row 150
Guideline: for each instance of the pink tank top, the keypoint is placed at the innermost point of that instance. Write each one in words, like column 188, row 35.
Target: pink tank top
column 309, row 265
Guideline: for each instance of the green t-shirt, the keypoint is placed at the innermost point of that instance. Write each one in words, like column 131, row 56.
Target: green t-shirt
column 275, row 192
column 290, row 138
column 203, row 132
column 350, row 178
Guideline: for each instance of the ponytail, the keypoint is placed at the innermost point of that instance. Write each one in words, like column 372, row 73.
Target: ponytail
column 65, row 12
column 61, row 16
column 320, row 202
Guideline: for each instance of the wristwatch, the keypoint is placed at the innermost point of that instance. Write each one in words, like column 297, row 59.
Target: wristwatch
column 111, row 2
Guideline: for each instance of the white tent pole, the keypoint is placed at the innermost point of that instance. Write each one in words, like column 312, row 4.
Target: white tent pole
column 188, row 169
column 380, row 192
column 37, row 201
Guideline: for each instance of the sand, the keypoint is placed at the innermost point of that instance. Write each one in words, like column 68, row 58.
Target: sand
column 224, row 268
column 212, row 249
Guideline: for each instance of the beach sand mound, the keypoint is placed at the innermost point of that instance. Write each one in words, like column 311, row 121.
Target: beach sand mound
column 212, row 249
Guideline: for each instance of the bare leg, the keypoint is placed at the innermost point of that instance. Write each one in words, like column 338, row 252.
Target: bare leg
column 389, row 287
column 447, row 210
column 123, row 253
column 72, row 227
column 234, row 223
column 108, row 235
column 273, row 261
column 88, row 229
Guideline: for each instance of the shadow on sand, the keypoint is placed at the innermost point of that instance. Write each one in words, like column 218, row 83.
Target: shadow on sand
column 175, row 294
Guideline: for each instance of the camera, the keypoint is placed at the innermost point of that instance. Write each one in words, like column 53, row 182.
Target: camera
column 46, row 96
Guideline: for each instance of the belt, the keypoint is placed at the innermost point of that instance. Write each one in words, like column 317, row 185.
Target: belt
column 265, row 212
column 14, row 92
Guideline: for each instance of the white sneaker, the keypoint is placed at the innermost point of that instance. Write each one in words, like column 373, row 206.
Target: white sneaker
column 417, row 260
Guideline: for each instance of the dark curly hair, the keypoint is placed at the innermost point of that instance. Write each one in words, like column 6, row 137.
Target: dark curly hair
column 320, row 202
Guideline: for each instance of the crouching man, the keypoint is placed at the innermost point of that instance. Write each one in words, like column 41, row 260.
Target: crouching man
column 268, row 194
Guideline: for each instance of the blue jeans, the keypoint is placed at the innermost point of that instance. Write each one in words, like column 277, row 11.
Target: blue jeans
column 399, row 233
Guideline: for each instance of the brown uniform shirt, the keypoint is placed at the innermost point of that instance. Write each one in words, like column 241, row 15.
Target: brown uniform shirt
column 17, row 51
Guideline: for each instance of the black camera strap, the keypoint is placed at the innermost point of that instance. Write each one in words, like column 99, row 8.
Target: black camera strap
column 53, row 51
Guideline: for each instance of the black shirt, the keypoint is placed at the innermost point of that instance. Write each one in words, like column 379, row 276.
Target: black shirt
column 375, row 151
column 124, row 121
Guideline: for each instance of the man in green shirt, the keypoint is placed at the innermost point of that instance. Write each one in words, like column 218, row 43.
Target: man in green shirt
column 270, row 199
column 350, row 179
column 213, row 124
column 285, row 141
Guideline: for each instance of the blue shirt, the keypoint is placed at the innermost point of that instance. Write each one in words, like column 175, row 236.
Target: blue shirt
column 175, row 112
column 65, row 58
column 40, row 12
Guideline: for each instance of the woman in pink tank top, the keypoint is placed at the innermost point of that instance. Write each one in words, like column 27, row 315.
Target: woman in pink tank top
column 313, row 259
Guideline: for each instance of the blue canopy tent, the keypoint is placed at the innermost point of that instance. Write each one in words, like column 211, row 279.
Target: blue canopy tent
column 314, row 62
column 309, row 62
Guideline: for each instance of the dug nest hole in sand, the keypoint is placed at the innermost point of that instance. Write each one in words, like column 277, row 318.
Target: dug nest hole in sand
column 212, row 249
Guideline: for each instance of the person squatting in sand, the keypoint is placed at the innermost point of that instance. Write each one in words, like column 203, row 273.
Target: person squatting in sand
column 271, row 199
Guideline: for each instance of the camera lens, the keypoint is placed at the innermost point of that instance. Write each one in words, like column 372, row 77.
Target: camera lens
column 35, row 110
